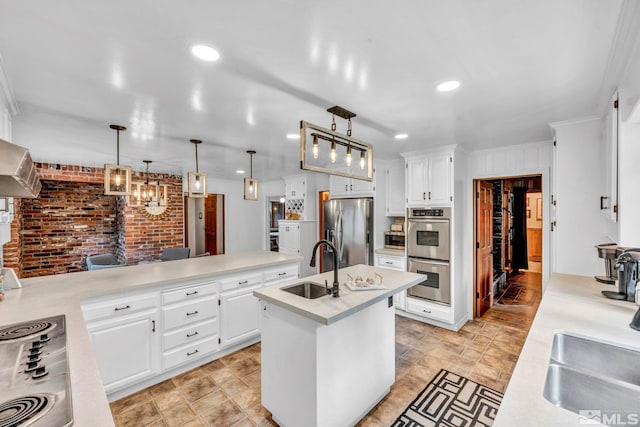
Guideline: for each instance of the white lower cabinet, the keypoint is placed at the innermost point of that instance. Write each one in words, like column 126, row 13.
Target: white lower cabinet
column 399, row 263
column 126, row 347
column 240, row 315
column 428, row 309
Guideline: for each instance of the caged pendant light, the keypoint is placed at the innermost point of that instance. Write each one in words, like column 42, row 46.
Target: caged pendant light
column 197, row 185
column 117, row 178
column 251, row 184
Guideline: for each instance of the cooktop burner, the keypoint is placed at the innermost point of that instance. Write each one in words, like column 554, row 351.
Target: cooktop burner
column 25, row 329
column 25, row 410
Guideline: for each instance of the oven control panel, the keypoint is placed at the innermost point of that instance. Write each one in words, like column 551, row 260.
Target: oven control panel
column 429, row 213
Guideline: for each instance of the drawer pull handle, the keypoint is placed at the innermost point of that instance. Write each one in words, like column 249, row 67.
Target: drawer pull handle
column 388, row 262
column 427, row 311
column 192, row 353
column 122, row 308
column 192, row 335
column 192, row 293
column 244, row 282
column 192, row 313
column 282, row 274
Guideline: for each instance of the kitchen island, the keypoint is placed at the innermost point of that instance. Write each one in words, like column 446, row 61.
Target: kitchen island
column 63, row 295
column 572, row 304
column 328, row 361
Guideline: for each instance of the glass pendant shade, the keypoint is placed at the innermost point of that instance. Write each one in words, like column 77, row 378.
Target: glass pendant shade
column 197, row 181
column 251, row 184
column 250, row 189
column 117, row 178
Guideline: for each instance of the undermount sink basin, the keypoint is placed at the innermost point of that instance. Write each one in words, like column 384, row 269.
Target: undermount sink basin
column 309, row 290
column 586, row 374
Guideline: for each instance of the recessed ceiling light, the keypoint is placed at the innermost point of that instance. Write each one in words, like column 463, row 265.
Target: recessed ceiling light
column 293, row 136
column 206, row 53
column 401, row 136
column 447, row 86
column 239, row 171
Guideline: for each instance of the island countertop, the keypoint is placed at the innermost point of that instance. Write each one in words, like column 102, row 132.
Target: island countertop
column 571, row 304
column 327, row 309
column 62, row 294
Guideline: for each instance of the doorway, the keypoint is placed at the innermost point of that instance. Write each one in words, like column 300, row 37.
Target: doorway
column 204, row 230
column 275, row 213
column 508, row 242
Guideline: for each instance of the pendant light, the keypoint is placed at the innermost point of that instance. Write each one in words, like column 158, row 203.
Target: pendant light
column 197, row 185
column 250, row 184
column 117, row 178
column 150, row 191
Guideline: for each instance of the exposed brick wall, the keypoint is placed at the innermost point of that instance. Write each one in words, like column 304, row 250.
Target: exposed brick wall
column 132, row 236
column 66, row 223
column 11, row 251
column 144, row 237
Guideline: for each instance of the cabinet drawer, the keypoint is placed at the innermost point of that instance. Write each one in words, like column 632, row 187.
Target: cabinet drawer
column 187, row 293
column 189, row 352
column 395, row 263
column 189, row 312
column 190, row 334
column 283, row 273
column 430, row 310
column 241, row 281
column 118, row 306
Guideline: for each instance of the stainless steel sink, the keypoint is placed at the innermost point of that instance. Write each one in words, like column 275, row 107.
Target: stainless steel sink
column 585, row 374
column 309, row 290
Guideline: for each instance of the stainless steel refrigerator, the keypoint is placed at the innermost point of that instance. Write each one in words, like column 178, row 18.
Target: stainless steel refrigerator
column 348, row 224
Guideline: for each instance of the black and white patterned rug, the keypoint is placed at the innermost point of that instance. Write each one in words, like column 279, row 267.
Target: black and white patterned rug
column 451, row 400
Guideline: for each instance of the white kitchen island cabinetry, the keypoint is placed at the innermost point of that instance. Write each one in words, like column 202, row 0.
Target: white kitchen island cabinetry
column 328, row 361
column 394, row 260
column 125, row 335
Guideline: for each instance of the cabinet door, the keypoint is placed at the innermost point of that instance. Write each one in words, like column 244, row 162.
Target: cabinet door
column 240, row 316
column 394, row 177
column 339, row 186
column 360, row 187
column 400, row 300
column 289, row 238
column 127, row 348
column 439, row 180
column 416, row 174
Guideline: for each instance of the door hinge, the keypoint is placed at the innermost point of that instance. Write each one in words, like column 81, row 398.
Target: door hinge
column 477, row 194
column 553, row 225
column 477, row 245
column 450, row 159
column 554, row 142
column 218, row 301
column 615, row 208
column 219, row 340
column 451, row 198
column 477, row 294
column 387, row 171
column 406, row 166
column 615, row 104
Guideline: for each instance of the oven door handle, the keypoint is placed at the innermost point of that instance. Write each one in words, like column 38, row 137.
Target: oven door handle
column 428, row 261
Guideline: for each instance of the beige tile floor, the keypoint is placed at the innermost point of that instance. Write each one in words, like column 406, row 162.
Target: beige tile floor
column 226, row 392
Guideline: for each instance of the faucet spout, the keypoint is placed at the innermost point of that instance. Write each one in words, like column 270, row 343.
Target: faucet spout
column 335, row 289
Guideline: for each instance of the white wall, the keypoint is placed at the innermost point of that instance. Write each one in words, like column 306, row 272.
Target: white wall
column 580, row 224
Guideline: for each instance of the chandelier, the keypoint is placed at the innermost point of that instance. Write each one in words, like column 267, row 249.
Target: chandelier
column 251, row 184
column 117, row 178
column 197, row 185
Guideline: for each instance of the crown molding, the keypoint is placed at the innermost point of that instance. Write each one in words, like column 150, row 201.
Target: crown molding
column 6, row 89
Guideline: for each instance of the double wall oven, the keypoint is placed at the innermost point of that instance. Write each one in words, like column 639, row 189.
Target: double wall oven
column 428, row 241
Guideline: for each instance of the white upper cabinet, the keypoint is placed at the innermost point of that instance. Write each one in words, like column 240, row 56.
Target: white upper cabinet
column 395, row 200
column 295, row 187
column 609, row 197
column 428, row 180
column 300, row 194
column 341, row 187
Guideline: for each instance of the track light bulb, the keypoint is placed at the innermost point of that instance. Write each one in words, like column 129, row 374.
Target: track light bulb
column 332, row 156
column 362, row 160
column 348, row 159
column 197, row 183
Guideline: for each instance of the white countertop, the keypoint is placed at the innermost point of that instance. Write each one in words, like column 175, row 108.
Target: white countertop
column 327, row 309
column 571, row 304
column 392, row 252
column 61, row 294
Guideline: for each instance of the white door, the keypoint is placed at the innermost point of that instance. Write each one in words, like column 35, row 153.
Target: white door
column 416, row 182
column 439, row 191
column 240, row 316
column 127, row 348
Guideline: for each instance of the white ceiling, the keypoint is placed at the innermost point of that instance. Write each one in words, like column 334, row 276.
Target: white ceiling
column 75, row 66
